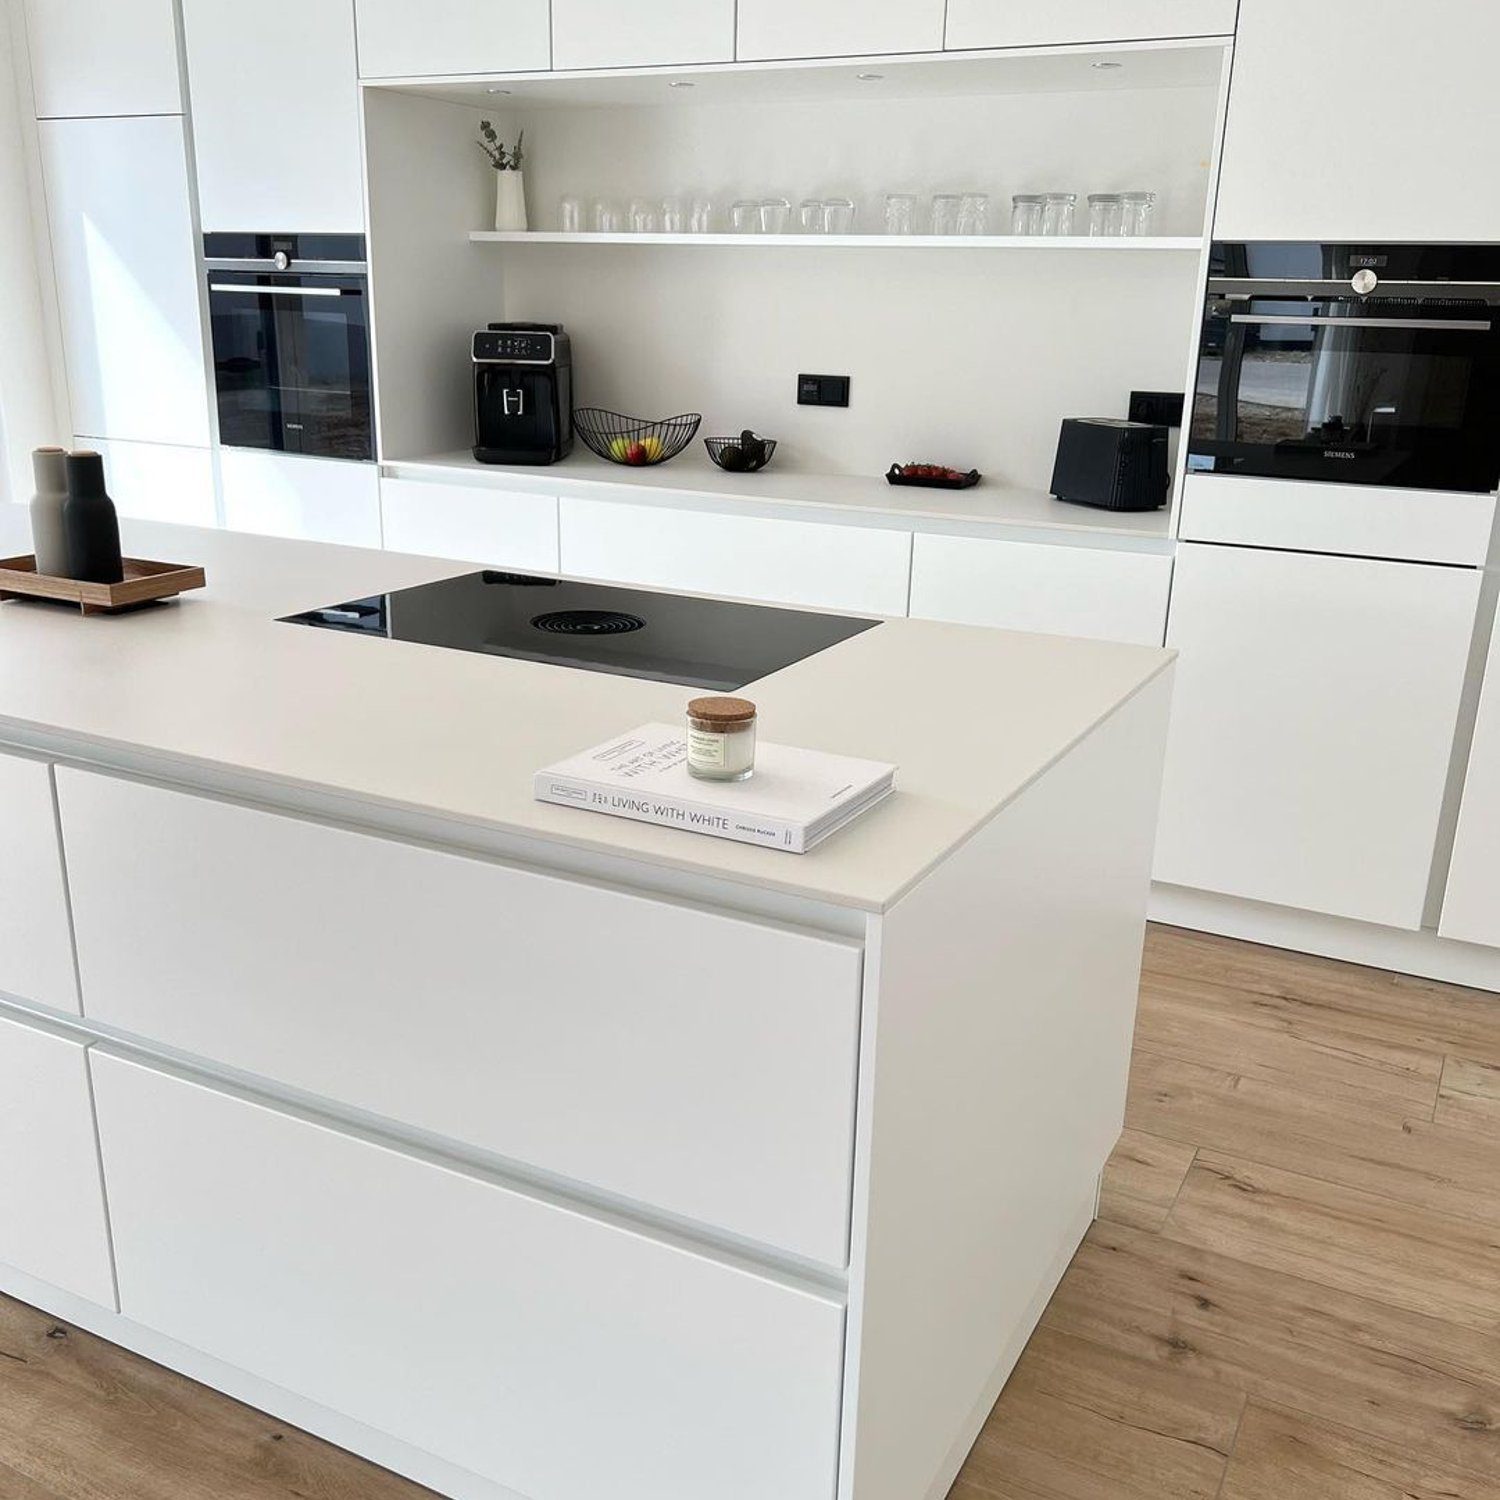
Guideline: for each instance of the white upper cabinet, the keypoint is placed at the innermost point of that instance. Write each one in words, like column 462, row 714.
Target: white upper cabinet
column 837, row 28
column 1378, row 122
column 127, row 278
column 606, row 34
column 1039, row 23
column 93, row 59
column 398, row 39
column 1313, row 720
column 275, row 99
column 1471, row 911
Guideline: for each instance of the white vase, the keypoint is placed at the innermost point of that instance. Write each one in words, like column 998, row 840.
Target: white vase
column 510, row 200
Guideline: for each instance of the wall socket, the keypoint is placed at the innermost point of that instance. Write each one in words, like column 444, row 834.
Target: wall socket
column 822, row 390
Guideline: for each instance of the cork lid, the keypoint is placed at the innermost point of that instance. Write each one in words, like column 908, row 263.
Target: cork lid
column 722, row 710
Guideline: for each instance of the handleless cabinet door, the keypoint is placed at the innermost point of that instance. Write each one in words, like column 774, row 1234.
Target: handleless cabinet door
column 500, row 528
column 51, row 1198
column 127, row 278
column 542, row 1349
column 837, row 28
column 398, row 39
column 1471, row 909
column 311, row 499
column 93, row 59
column 1312, row 727
column 36, row 945
column 1041, row 23
column 275, row 95
column 606, row 34
column 158, row 482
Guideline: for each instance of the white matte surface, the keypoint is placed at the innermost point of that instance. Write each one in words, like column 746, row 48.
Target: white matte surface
column 837, row 28
column 313, row 499
column 36, row 942
column 452, row 36
column 1471, row 908
column 646, row 33
column 1040, row 23
column 93, row 59
column 158, row 481
column 497, row 527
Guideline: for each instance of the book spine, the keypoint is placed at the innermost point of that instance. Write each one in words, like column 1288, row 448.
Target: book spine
column 670, row 812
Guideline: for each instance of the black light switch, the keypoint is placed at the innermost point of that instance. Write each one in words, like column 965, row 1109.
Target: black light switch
column 822, row 390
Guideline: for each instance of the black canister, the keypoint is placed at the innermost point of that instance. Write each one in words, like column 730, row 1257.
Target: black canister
column 90, row 524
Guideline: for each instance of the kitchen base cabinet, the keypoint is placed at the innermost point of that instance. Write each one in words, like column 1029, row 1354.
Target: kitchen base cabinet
column 1317, row 701
column 499, row 528
column 1471, row 907
column 398, row 39
column 312, row 499
column 542, row 1349
column 158, row 482
column 51, row 1199
column 1085, row 591
column 36, row 942
column 747, row 557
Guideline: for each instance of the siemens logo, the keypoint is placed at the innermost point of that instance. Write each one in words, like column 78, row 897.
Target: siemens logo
column 1336, row 453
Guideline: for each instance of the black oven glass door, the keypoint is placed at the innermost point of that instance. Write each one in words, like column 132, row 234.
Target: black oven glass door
column 1387, row 390
column 292, row 362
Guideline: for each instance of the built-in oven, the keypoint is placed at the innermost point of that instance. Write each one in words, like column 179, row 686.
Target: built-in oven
column 290, row 316
column 1377, row 364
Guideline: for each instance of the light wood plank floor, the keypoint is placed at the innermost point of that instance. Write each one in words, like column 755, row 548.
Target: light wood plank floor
column 1293, row 1292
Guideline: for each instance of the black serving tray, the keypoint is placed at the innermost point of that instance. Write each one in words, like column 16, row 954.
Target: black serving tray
column 893, row 475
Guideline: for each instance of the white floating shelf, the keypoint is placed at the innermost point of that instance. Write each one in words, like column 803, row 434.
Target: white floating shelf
column 848, row 241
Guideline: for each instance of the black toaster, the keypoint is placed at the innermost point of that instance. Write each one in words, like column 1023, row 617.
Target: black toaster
column 1111, row 463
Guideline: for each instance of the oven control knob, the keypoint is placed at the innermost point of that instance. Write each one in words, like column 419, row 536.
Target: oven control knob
column 1364, row 282
column 281, row 260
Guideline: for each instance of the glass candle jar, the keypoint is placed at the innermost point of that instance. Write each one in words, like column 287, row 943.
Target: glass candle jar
column 721, row 738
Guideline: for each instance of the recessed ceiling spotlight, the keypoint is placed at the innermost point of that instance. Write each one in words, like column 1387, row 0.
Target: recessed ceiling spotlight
column 497, row 91
column 681, row 83
column 1106, row 65
column 869, row 77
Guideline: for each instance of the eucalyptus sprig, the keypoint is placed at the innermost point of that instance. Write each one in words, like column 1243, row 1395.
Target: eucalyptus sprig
column 501, row 159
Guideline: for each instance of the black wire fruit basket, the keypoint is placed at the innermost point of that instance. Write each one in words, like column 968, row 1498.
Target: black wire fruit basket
column 634, row 441
column 740, row 455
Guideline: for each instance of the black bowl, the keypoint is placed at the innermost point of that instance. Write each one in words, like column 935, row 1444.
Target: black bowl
column 730, row 453
column 613, row 436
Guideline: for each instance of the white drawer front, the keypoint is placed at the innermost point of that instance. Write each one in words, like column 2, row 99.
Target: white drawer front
column 549, row 1352
column 500, row 528
column 748, row 557
column 36, row 949
column 1084, row 591
column 698, row 1063
column 311, row 499
column 51, row 1201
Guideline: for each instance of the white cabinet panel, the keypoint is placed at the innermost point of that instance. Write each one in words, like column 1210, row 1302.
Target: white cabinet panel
column 36, row 944
column 593, row 1361
column 155, row 482
column 606, row 34
column 275, row 98
column 1341, row 131
column 1471, row 909
column 398, row 39
column 127, row 278
column 51, row 1199
column 1086, row 591
column 1039, row 23
column 837, row 28
column 1312, row 727
column 786, row 562
column 563, row 1025
column 315, row 499
column 501, row 528
column 93, row 59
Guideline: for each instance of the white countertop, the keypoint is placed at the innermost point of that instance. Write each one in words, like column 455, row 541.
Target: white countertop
column 693, row 479
column 970, row 716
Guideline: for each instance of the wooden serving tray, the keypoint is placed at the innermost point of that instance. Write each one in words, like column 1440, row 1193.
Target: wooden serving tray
column 144, row 582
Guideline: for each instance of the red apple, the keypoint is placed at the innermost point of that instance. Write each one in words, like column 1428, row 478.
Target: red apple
column 636, row 453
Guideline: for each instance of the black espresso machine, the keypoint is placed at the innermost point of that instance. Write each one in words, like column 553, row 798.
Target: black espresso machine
column 523, row 393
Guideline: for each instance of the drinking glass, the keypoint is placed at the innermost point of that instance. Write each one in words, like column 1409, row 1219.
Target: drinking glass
column 744, row 216
column 1104, row 214
column 607, row 217
column 643, row 216
column 673, row 219
column 775, row 214
column 945, row 207
column 570, row 216
column 1136, row 211
column 1057, row 213
column 1026, row 213
column 701, row 216
column 900, row 213
column 839, row 215
column 973, row 213
column 812, row 214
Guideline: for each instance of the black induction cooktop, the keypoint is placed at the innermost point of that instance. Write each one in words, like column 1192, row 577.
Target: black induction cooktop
column 703, row 643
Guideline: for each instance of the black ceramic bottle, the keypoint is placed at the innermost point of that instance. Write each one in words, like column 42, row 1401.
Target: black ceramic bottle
column 89, row 523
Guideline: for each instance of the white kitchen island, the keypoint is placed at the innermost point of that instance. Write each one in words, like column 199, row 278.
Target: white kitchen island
column 534, row 1153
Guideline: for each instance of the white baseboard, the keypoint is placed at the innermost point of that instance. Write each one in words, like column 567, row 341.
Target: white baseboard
column 390, row 1453
column 1421, row 953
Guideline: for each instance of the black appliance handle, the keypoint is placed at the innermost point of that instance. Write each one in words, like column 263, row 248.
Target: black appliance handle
column 1303, row 320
